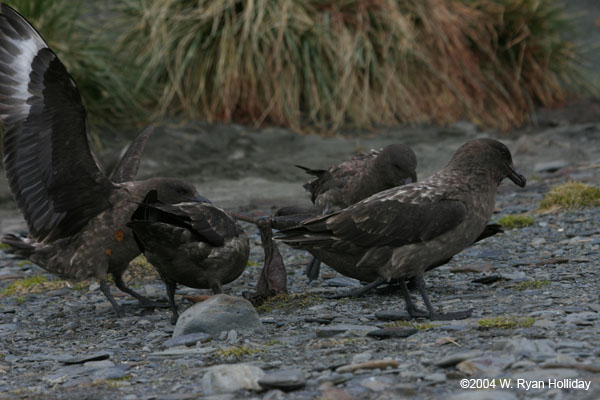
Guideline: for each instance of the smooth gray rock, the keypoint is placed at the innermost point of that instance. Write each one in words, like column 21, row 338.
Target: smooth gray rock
column 342, row 281
column 231, row 377
column 217, row 314
column 286, row 380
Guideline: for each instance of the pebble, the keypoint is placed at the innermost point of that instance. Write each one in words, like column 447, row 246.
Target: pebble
column 367, row 365
column 217, row 314
column 86, row 357
column 453, row 359
column 394, row 332
column 346, row 329
column 230, row 378
column 286, row 380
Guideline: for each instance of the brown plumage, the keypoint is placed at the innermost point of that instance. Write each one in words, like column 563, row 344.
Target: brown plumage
column 353, row 180
column 193, row 244
column 400, row 232
column 75, row 214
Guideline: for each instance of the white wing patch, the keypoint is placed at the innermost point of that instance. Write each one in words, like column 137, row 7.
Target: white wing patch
column 21, row 64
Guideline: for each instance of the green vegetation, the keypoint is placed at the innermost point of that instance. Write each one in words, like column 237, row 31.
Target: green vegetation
column 314, row 64
column 531, row 284
column 252, row 263
column 140, row 270
column 516, row 221
column 33, row 284
column 289, row 302
column 38, row 284
column 236, row 352
column 506, row 322
column 4, row 246
column 571, row 195
column 326, row 64
column 412, row 324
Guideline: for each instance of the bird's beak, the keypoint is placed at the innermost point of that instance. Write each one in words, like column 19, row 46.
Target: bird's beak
column 516, row 177
column 200, row 199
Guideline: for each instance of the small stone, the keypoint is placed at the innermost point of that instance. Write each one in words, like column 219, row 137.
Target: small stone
column 117, row 372
column 392, row 316
column 394, row 332
column 377, row 383
column 545, row 374
column 481, row 267
column 487, row 366
column 455, row 358
column 538, row 242
column 231, row 377
column 98, row 364
column 488, row 280
column 89, row 357
column 188, row 340
column 346, row 329
column 367, row 365
column 544, row 323
column 286, row 380
column 217, row 314
column 361, row 357
column 436, row 377
column 232, row 336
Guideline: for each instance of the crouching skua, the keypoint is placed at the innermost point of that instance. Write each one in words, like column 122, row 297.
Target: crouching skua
column 399, row 233
column 193, row 243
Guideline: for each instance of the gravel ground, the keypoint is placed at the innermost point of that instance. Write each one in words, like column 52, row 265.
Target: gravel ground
column 542, row 280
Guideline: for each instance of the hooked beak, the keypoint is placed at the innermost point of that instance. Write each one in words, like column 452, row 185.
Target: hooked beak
column 516, row 177
column 200, row 199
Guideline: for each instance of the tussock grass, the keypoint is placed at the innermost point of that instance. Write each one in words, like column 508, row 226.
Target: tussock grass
column 289, row 302
column 569, row 196
column 361, row 63
column 516, row 221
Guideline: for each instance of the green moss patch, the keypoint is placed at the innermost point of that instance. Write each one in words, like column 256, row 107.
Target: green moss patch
column 506, row 322
column 570, row 196
column 531, row 284
column 516, row 221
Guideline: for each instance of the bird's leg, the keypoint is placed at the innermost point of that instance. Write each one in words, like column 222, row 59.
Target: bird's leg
column 312, row 269
column 144, row 301
column 216, row 288
column 434, row 315
column 106, row 290
column 361, row 290
column 411, row 308
column 171, row 286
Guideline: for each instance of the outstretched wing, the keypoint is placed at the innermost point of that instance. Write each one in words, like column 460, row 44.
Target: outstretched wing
column 129, row 163
column 51, row 170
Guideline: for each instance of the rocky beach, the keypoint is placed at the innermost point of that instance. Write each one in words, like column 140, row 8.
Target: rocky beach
column 534, row 332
